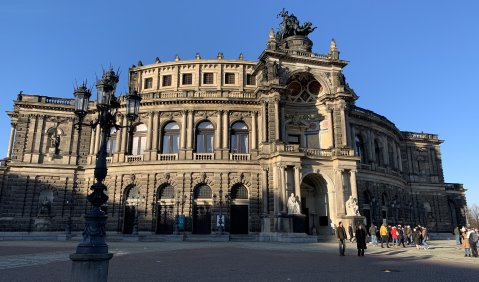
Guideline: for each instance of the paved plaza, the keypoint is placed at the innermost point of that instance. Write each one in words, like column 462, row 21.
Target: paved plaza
column 241, row 261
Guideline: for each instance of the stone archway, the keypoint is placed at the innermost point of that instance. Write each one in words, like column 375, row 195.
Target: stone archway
column 315, row 205
column 132, row 196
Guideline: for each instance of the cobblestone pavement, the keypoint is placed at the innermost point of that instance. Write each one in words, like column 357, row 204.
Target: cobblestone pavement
column 241, row 261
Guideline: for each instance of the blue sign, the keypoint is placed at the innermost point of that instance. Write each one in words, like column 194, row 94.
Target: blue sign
column 181, row 222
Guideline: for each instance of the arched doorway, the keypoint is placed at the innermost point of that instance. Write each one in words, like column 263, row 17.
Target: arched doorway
column 202, row 209
column 315, row 205
column 239, row 210
column 165, row 210
column 453, row 213
column 132, row 197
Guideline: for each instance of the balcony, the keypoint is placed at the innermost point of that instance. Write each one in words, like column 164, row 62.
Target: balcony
column 203, row 156
column 240, row 157
column 168, row 157
column 134, row 159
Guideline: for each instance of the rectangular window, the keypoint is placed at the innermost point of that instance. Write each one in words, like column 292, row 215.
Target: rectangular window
column 166, row 80
column 293, row 139
column 148, row 83
column 208, row 78
column 250, row 79
column 312, row 140
column 229, row 78
column 187, row 79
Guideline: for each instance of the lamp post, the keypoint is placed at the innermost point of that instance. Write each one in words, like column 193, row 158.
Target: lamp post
column 90, row 262
column 70, row 203
column 220, row 221
column 135, row 220
column 180, row 200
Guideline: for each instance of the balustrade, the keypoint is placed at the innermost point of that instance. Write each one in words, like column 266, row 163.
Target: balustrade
column 239, row 157
column 203, row 156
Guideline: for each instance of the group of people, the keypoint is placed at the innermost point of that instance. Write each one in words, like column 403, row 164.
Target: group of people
column 392, row 236
column 398, row 235
column 467, row 237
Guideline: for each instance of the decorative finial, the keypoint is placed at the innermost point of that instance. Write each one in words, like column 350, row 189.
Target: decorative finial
column 157, row 60
column 241, row 57
column 198, row 57
column 332, row 46
column 140, row 63
column 271, row 45
column 177, row 58
column 333, row 51
column 220, row 56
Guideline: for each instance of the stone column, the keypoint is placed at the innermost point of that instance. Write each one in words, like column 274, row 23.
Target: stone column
column 264, row 124
column 183, row 130
column 149, row 133
column 92, row 141
column 284, row 197
column 264, row 189
column 156, row 134
column 331, row 126
column 124, row 141
column 277, row 117
column 10, row 140
column 297, row 182
column 339, row 185
column 190, row 132
column 253, row 131
column 354, row 187
column 37, row 146
column 277, row 189
column 219, row 116
column 353, row 138
column 225, row 128
column 344, row 126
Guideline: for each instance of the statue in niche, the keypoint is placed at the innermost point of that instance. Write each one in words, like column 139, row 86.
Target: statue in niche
column 45, row 206
column 55, row 142
column 352, row 208
column 293, row 205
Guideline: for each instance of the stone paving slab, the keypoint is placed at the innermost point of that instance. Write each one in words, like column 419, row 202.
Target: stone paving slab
column 242, row 261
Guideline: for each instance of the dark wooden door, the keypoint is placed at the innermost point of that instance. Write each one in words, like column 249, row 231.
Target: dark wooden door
column 165, row 220
column 129, row 219
column 239, row 219
column 202, row 219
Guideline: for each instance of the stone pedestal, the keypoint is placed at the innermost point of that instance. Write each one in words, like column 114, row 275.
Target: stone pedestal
column 90, row 267
column 355, row 220
column 296, row 222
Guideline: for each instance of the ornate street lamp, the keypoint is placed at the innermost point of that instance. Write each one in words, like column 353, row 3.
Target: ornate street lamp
column 93, row 248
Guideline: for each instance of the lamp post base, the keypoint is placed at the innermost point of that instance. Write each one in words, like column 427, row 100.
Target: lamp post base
column 90, row 267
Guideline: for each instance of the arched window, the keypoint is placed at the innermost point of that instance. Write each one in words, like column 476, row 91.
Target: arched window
column 203, row 192
column 138, row 142
column 132, row 196
column 239, row 192
column 239, row 138
column 166, row 192
column 204, row 137
column 360, row 149
column 111, row 144
column 170, row 133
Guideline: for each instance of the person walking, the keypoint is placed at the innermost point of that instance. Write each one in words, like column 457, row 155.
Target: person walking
column 400, row 231
column 457, row 236
column 416, row 236
column 473, row 237
column 465, row 243
column 383, row 231
column 409, row 235
column 394, row 235
column 361, row 239
column 424, row 238
column 372, row 231
column 341, row 235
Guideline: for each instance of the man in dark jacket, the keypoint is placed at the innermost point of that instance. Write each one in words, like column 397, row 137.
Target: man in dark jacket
column 341, row 235
column 361, row 239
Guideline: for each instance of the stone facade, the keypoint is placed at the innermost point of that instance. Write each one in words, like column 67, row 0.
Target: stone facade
column 238, row 134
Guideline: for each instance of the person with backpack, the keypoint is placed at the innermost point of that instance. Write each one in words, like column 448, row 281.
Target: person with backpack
column 473, row 237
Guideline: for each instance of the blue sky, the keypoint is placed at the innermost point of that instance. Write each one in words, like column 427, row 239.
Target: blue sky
column 415, row 62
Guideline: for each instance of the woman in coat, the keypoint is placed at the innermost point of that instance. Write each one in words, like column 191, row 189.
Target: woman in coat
column 361, row 239
column 466, row 244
